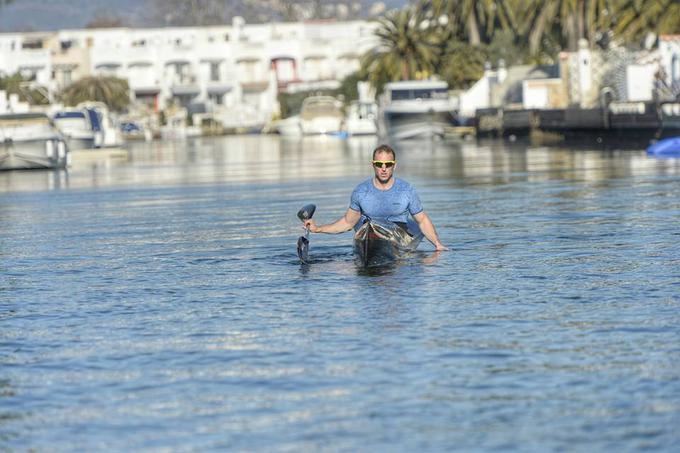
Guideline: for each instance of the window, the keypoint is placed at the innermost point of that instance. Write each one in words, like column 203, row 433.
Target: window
column 32, row 44
column 216, row 98
column 66, row 77
column 214, row 72
column 435, row 93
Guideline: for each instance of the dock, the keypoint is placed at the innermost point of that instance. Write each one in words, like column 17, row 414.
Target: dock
column 91, row 155
column 640, row 120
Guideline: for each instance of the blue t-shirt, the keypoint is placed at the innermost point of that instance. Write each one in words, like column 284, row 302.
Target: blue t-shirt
column 394, row 204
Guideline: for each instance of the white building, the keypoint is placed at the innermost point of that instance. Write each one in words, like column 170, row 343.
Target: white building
column 28, row 55
column 233, row 72
column 669, row 54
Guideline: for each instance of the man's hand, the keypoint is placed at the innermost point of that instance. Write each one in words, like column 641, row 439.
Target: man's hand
column 311, row 225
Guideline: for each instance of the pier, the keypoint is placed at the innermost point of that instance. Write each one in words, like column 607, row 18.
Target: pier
column 640, row 120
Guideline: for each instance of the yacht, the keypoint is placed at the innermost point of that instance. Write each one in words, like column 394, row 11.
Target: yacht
column 416, row 109
column 289, row 127
column 321, row 115
column 107, row 134
column 76, row 126
column 30, row 141
column 362, row 118
column 88, row 125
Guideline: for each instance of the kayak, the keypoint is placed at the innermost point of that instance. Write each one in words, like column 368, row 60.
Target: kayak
column 669, row 147
column 379, row 242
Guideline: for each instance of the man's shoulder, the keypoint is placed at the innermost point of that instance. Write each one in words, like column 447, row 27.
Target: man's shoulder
column 364, row 185
column 402, row 185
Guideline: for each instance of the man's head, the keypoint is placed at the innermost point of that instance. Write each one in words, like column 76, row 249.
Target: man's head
column 384, row 161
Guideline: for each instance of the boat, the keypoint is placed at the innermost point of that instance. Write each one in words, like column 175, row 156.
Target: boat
column 668, row 147
column 107, row 134
column 88, row 125
column 30, row 141
column 321, row 115
column 416, row 109
column 135, row 130
column 76, row 127
column 380, row 242
column 288, row 127
column 362, row 118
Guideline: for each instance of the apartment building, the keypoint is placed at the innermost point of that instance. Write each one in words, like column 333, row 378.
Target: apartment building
column 234, row 71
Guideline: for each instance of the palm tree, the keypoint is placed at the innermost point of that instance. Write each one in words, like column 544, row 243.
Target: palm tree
column 16, row 84
column 637, row 18
column 407, row 49
column 580, row 19
column 112, row 91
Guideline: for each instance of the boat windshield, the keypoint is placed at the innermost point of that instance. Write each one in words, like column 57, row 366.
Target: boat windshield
column 431, row 93
column 69, row 114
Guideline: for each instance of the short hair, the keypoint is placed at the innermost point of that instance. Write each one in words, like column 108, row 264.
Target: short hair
column 384, row 149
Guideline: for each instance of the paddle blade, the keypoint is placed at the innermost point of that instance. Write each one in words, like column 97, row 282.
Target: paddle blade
column 306, row 212
column 303, row 249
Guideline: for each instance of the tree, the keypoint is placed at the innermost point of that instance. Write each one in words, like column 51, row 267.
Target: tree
column 112, row 91
column 407, row 49
column 637, row 18
column 16, row 84
column 463, row 64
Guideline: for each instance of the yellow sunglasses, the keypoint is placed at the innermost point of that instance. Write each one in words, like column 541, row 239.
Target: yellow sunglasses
column 386, row 163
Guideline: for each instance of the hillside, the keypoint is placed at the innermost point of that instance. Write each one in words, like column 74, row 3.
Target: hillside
column 36, row 15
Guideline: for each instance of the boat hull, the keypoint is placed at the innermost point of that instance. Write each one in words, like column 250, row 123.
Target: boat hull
column 669, row 147
column 378, row 243
column 417, row 125
column 34, row 154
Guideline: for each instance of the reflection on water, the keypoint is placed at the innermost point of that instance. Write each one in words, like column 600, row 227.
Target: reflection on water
column 244, row 159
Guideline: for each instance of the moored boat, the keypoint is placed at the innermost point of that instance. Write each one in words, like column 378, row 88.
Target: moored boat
column 76, row 126
column 289, row 127
column 416, row 109
column 668, row 147
column 321, row 115
column 30, row 141
column 362, row 118
column 379, row 242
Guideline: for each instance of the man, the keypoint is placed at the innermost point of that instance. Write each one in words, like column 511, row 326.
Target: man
column 383, row 196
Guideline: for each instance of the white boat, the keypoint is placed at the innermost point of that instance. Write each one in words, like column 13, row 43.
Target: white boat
column 321, row 115
column 135, row 130
column 416, row 109
column 289, row 127
column 30, row 141
column 88, row 125
column 362, row 118
column 76, row 127
column 107, row 133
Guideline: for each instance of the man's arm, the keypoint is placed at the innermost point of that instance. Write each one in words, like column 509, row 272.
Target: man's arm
column 344, row 223
column 428, row 230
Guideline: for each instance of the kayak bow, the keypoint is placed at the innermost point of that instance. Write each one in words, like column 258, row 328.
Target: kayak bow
column 379, row 242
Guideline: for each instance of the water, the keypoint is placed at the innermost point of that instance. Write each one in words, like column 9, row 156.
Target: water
column 157, row 303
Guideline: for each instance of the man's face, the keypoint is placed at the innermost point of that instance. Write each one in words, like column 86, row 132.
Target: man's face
column 384, row 173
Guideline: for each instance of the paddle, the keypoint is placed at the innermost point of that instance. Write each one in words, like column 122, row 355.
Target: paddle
column 303, row 214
